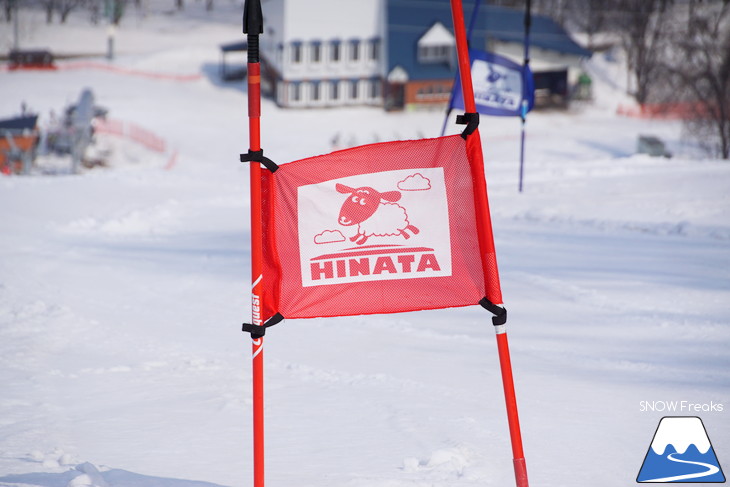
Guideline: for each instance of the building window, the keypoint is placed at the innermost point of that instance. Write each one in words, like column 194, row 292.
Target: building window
column 316, row 52
column 434, row 54
column 315, row 91
column 433, row 93
column 335, row 51
column 296, row 92
column 353, row 89
column 354, row 50
column 296, row 52
column 374, row 49
column 374, row 88
column 335, row 90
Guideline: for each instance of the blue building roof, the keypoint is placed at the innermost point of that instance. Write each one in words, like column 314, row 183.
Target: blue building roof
column 408, row 20
column 23, row 122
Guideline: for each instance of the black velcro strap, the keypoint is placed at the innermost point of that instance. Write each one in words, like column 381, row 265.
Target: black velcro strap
column 471, row 120
column 257, row 331
column 500, row 313
column 258, row 156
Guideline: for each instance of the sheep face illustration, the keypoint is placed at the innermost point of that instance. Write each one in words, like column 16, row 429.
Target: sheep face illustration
column 374, row 213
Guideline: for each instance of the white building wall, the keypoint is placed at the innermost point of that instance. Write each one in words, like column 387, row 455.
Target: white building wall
column 322, row 41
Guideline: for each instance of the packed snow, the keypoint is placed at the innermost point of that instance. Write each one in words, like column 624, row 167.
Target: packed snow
column 122, row 290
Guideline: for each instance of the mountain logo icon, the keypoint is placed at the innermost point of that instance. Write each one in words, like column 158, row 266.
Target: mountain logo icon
column 680, row 452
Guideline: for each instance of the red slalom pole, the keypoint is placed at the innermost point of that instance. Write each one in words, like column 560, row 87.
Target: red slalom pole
column 253, row 26
column 510, row 398
column 486, row 244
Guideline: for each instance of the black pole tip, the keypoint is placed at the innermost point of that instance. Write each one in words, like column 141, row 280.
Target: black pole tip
column 253, row 18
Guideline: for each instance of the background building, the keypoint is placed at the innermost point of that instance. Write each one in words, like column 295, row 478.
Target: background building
column 398, row 53
column 334, row 61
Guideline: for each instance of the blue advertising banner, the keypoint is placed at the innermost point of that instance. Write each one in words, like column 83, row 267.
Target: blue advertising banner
column 500, row 85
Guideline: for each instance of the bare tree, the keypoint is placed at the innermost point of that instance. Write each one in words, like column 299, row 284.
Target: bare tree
column 643, row 23
column 8, row 7
column 94, row 12
column 65, row 7
column 587, row 16
column 50, row 7
column 700, row 75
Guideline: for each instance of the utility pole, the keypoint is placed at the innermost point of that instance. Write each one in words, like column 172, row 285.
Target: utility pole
column 111, row 6
column 16, row 40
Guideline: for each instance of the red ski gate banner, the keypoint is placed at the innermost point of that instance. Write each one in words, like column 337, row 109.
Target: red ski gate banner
column 380, row 228
column 383, row 228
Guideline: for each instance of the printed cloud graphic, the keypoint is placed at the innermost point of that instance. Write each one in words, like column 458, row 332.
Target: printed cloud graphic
column 329, row 236
column 415, row 182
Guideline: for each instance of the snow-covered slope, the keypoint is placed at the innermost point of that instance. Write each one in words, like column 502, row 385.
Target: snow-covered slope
column 122, row 292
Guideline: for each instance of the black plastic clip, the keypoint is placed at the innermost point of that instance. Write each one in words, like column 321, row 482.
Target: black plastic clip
column 500, row 313
column 471, row 120
column 257, row 331
column 258, row 156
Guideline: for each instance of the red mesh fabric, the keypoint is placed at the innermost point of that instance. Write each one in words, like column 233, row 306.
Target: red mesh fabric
column 381, row 228
column 484, row 219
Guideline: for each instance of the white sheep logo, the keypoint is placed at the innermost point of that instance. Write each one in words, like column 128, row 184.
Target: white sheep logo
column 376, row 214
